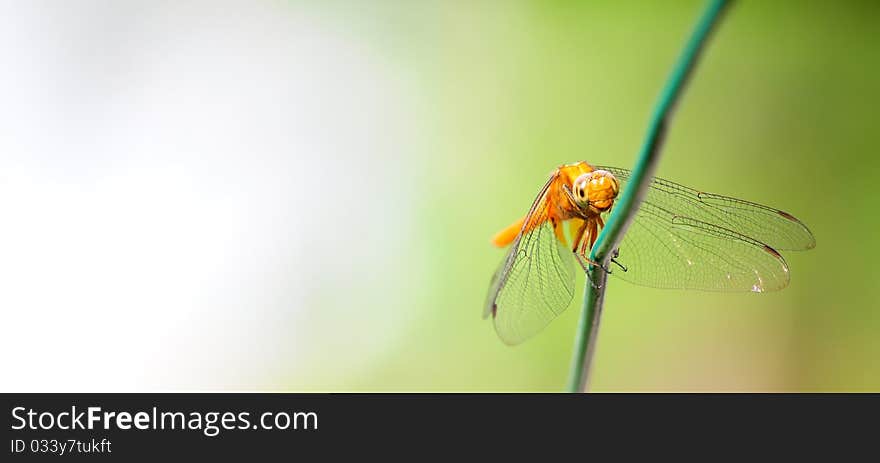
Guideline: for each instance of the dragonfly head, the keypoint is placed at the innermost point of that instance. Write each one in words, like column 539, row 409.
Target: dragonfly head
column 596, row 190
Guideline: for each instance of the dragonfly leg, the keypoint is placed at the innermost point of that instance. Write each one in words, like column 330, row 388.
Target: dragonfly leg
column 582, row 247
column 580, row 238
column 614, row 256
column 587, row 244
column 586, row 263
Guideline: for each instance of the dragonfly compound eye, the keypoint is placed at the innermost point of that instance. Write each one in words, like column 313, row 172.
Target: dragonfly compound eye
column 602, row 189
column 581, row 185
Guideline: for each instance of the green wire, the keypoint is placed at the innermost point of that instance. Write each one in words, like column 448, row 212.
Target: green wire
column 627, row 204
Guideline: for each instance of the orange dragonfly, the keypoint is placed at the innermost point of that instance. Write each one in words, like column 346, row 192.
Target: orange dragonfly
column 680, row 238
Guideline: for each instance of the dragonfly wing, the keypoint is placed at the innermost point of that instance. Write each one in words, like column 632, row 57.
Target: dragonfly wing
column 664, row 250
column 535, row 281
column 537, row 287
column 773, row 227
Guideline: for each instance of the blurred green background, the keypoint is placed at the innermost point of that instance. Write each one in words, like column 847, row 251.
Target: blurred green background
column 782, row 110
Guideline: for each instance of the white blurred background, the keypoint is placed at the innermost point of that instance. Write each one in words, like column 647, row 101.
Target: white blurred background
column 179, row 181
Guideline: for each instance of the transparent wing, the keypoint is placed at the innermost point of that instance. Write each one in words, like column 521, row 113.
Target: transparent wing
column 664, row 250
column 538, row 286
column 535, row 281
column 772, row 227
column 684, row 238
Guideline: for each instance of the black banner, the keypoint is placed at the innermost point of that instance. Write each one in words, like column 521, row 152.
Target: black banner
column 203, row 425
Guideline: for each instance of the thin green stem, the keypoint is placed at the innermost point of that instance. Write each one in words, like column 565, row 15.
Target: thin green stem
column 627, row 204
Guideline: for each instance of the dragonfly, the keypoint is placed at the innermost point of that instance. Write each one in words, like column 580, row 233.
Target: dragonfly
column 680, row 238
